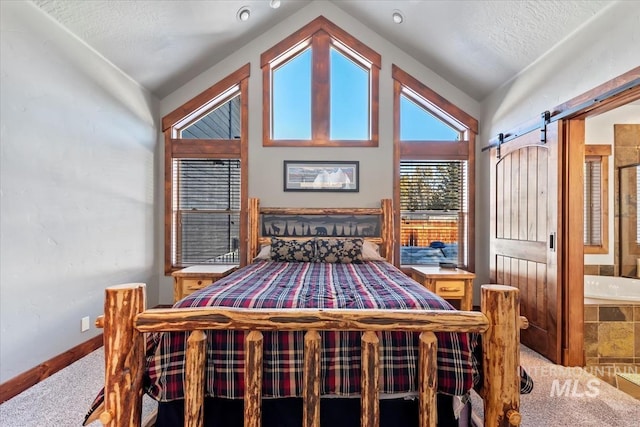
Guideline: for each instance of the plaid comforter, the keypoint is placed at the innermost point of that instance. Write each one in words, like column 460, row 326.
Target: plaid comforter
column 269, row 284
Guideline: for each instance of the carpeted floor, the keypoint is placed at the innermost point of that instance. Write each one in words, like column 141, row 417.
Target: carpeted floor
column 570, row 397
column 63, row 398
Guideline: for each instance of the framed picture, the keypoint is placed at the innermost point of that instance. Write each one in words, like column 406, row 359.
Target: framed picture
column 314, row 175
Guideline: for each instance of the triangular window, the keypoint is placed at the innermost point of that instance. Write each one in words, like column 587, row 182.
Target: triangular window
column 418, row 124
column 223, row 122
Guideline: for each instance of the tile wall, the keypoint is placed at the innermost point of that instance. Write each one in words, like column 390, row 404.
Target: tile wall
column 612, row 337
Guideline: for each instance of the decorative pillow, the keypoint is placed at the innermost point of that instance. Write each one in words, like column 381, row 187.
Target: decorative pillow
column 342, row 251
column 371, row 252
column 292, row 250
column 265, row 253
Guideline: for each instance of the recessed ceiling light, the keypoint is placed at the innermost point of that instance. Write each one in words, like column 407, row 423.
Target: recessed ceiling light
column 244, row 13
column 274, row 4
column 397, row 16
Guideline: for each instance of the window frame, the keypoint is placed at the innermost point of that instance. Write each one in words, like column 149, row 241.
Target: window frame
column 601, row 152
column 178, row 148
column 321, row 34
column 464, row 149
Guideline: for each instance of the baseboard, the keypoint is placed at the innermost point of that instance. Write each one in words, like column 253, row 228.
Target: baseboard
column 20, row 383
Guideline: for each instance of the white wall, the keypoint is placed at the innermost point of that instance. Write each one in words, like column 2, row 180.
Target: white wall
column 77, row 187
column 599, row 130
column 605, row 47
column 265, row 163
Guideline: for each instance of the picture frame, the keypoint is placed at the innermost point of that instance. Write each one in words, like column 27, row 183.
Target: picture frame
column 321, row 175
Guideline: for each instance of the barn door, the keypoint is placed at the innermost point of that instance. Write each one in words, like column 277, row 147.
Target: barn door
column 524, row 234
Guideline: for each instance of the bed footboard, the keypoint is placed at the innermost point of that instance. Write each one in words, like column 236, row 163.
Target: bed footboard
column 125, row 321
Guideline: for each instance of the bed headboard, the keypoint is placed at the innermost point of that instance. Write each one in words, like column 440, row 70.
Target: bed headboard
column 374, row 224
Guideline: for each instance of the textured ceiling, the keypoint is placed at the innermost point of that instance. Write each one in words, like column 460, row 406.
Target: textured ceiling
column 476, row 45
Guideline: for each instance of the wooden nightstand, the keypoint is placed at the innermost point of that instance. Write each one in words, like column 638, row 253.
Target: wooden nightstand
column 196, row 277
column 449, row 283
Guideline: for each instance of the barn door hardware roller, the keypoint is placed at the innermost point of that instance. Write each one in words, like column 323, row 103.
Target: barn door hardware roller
column 546, row 119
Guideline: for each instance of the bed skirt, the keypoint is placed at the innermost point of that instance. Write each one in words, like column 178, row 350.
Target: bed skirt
column 334, row 412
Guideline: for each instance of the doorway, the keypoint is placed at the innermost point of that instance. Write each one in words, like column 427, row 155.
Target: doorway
column 568, row 236
column 613, row 94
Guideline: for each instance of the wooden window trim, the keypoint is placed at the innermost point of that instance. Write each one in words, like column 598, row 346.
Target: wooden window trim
column 434, row 150
column 204, row 97
column 320, row 34
column 438, row 102
column 602, row 151
column 207, row 148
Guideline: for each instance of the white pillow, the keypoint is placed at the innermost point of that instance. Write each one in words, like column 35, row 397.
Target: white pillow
column 265, row 253
column 371, row 252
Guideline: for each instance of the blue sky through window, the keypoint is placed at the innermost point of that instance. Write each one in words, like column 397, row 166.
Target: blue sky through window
column 349, row 93
column 292, row 98
column 349, row 99
column 417, row 124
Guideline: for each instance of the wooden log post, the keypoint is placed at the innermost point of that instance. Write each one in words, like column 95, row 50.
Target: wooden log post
column 194, row 381
column 501, row 356
column 311, row 380
column 254, row 229
column 370, row 393
column 428, row 379
column 124, row 348
column 253, row 379
column 387, row 229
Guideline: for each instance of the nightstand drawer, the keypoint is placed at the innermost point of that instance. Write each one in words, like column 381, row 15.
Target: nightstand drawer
column 196, row 277
column 191, row 285
column 450, row 288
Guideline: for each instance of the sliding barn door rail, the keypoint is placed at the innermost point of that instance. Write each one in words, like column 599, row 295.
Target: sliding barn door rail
column 559, row 113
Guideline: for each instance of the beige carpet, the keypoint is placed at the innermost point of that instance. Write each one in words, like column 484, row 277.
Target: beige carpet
column 62, row 399
column 570, row 397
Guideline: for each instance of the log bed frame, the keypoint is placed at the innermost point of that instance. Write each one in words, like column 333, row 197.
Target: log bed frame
column 125, row 321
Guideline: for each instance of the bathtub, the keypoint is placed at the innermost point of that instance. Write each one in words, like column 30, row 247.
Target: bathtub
column 611, row 290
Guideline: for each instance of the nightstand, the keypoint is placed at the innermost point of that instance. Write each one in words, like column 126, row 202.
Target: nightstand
column 196, row 277
column 449, row 283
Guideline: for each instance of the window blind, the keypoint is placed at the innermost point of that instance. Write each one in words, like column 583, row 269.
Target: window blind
column 592, row 201
column 206, row 206
column 431, row 185
column 433, row 207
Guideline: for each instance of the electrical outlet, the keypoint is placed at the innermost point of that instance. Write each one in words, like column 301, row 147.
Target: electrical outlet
column 85, row 324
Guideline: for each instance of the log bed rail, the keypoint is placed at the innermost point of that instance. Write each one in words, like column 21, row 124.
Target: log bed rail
column 125, row 321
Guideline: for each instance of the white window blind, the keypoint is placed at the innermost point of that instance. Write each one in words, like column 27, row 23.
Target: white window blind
column 592, row 201
column 206, row 209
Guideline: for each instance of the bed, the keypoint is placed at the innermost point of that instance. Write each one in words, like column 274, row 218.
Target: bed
column 316, row 321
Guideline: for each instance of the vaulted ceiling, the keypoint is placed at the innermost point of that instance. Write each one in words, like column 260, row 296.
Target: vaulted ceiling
column 476, row 45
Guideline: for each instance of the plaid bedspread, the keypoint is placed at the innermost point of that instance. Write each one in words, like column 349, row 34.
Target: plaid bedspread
column 269, row 284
